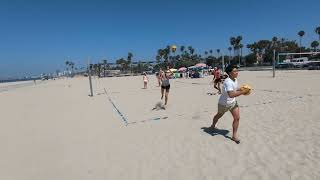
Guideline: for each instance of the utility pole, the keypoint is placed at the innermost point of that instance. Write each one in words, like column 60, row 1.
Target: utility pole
column 89, row 75
column 274, row 63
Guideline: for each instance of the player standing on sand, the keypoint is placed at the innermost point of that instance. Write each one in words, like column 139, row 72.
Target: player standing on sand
column 227, row 101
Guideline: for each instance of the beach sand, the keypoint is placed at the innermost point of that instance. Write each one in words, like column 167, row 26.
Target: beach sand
column 54, row 130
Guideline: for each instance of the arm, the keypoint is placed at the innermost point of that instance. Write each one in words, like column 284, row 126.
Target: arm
column 170, row 74
column 234, row 92
column 237, row 93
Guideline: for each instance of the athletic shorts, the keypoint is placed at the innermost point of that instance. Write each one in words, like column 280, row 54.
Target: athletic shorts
column 166, row 87
column 217, row 80
column 224, row 108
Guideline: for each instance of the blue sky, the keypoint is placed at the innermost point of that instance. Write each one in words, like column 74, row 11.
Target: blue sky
column 39, row 36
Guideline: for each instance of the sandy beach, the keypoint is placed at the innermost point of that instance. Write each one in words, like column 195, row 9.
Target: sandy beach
column 55, row 131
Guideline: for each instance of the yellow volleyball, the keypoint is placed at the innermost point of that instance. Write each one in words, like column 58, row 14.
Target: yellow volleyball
column 173, row 48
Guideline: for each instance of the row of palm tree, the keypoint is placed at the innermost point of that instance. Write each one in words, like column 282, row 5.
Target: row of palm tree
column 314, row 44
column 302, row 33
column 187, row 55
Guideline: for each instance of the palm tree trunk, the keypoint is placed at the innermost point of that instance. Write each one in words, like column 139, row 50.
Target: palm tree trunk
column 229, row 57
column 300, row 45
column 239, row 57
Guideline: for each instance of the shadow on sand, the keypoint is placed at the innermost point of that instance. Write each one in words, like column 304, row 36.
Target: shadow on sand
column 214, row 132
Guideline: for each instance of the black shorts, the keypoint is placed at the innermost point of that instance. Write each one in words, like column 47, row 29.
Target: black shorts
column 217, row 80
column 166, row 87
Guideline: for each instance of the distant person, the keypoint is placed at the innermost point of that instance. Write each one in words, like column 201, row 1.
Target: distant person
column 217, row 79
column 34, row 81
column 165, row 84
column 145, row 80
column 227, row 101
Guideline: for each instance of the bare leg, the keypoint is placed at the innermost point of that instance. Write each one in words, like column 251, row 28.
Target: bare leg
column 215, row 119
column 215, row 86
column 219, row 89
column 236, row 119
column 162, row 91
column 166, row 97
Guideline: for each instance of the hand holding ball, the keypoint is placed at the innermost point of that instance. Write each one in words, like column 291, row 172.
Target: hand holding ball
column 246, row 89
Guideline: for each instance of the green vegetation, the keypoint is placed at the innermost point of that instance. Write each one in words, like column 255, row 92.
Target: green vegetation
column 261, row 53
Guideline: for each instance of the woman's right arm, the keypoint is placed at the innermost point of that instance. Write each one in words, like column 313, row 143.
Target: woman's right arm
column 237, row 93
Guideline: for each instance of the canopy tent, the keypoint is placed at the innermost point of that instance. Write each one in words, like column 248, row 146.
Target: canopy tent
column 182, row 69
column 201, row 65
column 193, row 67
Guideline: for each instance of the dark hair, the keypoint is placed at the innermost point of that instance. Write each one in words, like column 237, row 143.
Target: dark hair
column 230, row 68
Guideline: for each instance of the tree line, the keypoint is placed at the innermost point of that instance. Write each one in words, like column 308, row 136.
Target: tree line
column 261, row 53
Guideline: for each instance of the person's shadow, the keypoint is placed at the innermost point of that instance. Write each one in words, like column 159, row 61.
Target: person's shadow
column 214, row 132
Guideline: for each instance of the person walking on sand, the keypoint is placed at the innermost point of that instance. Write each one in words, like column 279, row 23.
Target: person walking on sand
column 145, row 80
column 217, row 79
column 227, row 101
column 165, row 84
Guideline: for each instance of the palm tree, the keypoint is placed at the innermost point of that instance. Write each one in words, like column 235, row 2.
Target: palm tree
column 182, row 49
column 218, row 51
column 301, row 33
column 317, row 30
column 97, row 69
column 67, row 64
column 104, row 67
column 238, row 39
column 166, row 52
column 161, row 53
column 314, row 45
column 158, row 58
column 122, row 62
column 238, row 42
column 274, row 42
column 129, row 60
column 130, row 55
column 240, row 46
column 70, row 65
column 210, row 51
column 233, row 43
column 230, row 49
column 206, row 53
column 274, row 39
column 190, row 49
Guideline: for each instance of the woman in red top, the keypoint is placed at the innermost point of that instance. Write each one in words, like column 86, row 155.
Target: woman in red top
column 217, row 80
